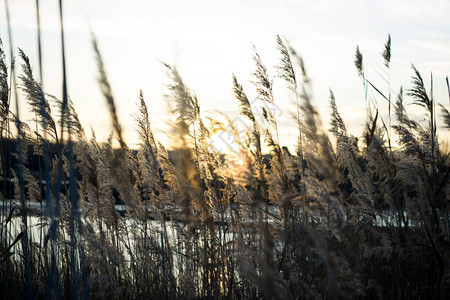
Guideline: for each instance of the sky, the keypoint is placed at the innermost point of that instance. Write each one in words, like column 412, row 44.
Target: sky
column 208, row 41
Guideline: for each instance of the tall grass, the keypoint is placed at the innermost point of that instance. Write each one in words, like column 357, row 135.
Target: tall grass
column 349, row 219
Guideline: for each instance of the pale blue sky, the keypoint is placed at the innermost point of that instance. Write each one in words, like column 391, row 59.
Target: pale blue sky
column 209, row 40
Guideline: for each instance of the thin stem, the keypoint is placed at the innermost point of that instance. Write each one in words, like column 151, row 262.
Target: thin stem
column 25, row 245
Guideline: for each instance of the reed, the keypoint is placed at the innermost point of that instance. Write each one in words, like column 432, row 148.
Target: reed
column 339, row 218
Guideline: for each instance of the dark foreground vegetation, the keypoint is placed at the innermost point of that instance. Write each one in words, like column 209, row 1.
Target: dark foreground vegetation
column 365, row 218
